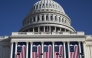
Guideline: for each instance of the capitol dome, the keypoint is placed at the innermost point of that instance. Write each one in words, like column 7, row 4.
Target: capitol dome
column 47, row 16
column 47, row 4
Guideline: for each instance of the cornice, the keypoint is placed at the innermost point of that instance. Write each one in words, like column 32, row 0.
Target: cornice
column 48, row 36
column 46, row 23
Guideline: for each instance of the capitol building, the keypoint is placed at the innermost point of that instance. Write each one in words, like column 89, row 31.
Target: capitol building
column 46, row 33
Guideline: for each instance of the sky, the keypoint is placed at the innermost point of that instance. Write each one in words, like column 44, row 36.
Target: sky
column 13, row 12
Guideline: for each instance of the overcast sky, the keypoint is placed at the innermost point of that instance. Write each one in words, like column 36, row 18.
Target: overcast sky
column 12, row 13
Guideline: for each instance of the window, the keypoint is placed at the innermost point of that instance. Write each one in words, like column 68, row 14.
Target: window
column 30, row 20
column 65, row 21
column 46, row 5
column 27, row 21
column 62, row 19
column 42, row 17
column 47, row 18
column 51, row 17
column 34, row 7
column 59, row 19
column 49, row 5
column 43, row 5
column 55, row 18
column 37, row 7
column 38, row 18
column 34, row 19
column 40, row 6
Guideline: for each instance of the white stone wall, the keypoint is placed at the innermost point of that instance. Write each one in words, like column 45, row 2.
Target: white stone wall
column 4, row 47
column 88, row 48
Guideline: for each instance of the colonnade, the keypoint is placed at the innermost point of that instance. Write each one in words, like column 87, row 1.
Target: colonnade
column 53, row 43
column 49, row 17
column 47, row 29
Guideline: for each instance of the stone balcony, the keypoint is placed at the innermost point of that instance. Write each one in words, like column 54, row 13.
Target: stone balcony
column 46, row 33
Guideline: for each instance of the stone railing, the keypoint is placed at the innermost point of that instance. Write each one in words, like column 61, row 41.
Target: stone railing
column 88, row 37
column 47, row 33
column 4, row 37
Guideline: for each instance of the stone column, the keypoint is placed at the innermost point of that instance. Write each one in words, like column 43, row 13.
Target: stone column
column 11, row 50
column 65, row 30
column 42, row 48
column 40, row 16
column 64, row 50
column 55, row 29
column 79, row 49
column 16, row 43
column 33, row 30
column 53, row 17
column 53, row 49
column 26, row 49
column 84, row 49
column 36, row 18
column 49, row 28
column 44, row 28
column 49, row 17
column 38, row 29
column 44, row 17
column 68, row 49
column 31, row 44
column 60, row 29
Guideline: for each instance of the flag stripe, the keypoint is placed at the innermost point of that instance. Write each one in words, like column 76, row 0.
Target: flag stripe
column 74, row 51
column 38, row 51
column 21, row 51
column 61, row 50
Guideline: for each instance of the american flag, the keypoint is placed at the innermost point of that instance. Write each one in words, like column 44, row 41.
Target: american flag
column 56, row 50
column 34, row 51
column 60, row 51
column 21, row 51
column 38, row 51
column 45, row 53
column 50, row 51
column 74, row 51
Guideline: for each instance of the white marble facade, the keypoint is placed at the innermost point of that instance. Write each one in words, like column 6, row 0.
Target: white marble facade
column 46, row 22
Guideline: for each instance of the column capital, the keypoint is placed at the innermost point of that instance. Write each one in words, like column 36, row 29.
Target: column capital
column 42, row 41
column 30, row 41
column 16, row 42
column 11, row 42
column 27, row 42
column 64, row 41
column 53, row 41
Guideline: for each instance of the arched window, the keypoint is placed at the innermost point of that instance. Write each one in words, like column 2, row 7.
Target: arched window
column 43, row 5
column 47, row 18
column 36, row 6
column 51, row 17
column 40, row 6
column 62, row 19
column 34, row 19
column 49, row 5
column 65, row 21
column 30, row 20
column 27, row 21
column 42, row 17
column 53, row 5
column 59, row 19
column 38, row 18
column 46, row 5
column 55, row 18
